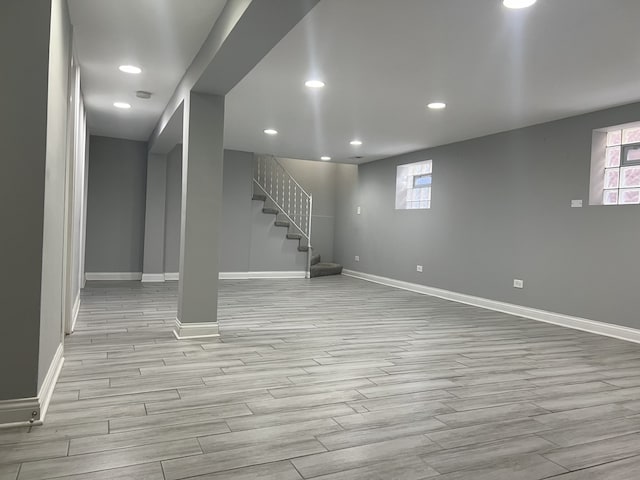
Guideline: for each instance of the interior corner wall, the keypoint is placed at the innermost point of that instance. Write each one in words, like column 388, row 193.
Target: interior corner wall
column 501, row 209
column 54, row 256
column 23, row 127
column 116, row 205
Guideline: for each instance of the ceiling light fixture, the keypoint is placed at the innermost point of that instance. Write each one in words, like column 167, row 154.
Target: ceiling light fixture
column 314, row 83
column 437, row 105
column 271, row 131
column 518, row 3
column 130, row 69
column 325, row 158
column 122, row 105
column 355, row 143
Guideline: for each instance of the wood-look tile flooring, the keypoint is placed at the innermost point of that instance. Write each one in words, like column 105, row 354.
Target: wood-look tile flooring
column 332, row 379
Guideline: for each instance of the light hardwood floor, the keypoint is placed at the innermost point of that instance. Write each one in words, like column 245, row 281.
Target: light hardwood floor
column 334, row 379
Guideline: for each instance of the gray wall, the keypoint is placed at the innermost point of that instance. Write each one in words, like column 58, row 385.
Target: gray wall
column 116, row 205
column 249, row 240
column 53, row 252
column 154, row 219
column 501, row 210
column 235, row 241
column 318, row 179
column 23, row 124
column 172, row 210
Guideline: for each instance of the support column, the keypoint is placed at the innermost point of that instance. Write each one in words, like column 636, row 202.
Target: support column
column 202, row 161
column 154, row 220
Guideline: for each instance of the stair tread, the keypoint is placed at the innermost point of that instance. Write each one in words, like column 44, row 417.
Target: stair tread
column 282, row 224
column 273, row 211
column 303, row 248
column 259, row 197
column 315, row 259
column 294, row 236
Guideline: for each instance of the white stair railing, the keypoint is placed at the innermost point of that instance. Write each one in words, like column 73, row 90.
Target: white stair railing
column 287, row 194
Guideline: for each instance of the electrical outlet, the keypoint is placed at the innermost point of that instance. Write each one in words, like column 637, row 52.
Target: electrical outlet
column 518, row 283
column 358, row 210
column 419, row 268
column 357, row 258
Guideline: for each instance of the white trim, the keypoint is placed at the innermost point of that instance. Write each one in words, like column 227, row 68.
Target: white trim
column 577, row 323
column 261, row 275
column 113, row 275
column 18, row 412
column 153, row 277
column 49, row 382
column 32, row 410
column 74, row 314
column 173, row 276
column 183, row 331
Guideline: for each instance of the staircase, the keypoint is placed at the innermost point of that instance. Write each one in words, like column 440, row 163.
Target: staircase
column 284, row 198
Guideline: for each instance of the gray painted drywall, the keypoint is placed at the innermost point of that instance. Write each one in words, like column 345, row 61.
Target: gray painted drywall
column 23, row 124
column 116, row 205
column 235, row 240
column 172, row 210
column 154, row 218
column 53, row 251
column 270, row 251
column 319, row 180
column 249, row 241
column 235, row 237
column 501, row 210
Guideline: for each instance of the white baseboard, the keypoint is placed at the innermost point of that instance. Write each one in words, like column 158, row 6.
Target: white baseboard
column 261, row 275
column 162, row 277
column 577, row 323
column 185, row 331
column 153, row 277
column 245, row 275
column 50, row 380
column 114, row 275
column 20, row 411
column 32, row 410
column 74, row 314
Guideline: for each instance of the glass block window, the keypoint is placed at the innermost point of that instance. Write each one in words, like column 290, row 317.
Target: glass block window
column 413, row 185
column 622, row 167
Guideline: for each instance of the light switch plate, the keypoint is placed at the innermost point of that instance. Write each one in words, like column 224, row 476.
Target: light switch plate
column 576, row 203
column 357, row 258
column 358, row 210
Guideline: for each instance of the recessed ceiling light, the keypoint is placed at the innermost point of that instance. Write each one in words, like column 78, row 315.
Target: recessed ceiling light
column 314, row 83
column 325, row 158
column 271, row 131
column 437, row 105
column 518, row 3
column 130, row 69
column 122, row 105
column 355, row 143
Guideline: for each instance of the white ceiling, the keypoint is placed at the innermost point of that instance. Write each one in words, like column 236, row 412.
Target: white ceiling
column 383, row 61
column 161, row 36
